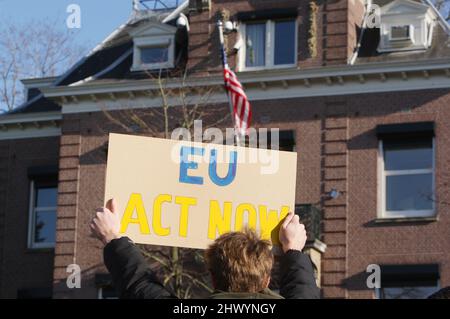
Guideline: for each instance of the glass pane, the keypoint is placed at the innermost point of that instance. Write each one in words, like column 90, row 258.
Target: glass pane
column 406, row 157
column 255, row 45
column 408, row 292
column 154, row 55
column 409, row 192
column 285, row 42
column 45, row 227
column 46, row 197
column 400, row 32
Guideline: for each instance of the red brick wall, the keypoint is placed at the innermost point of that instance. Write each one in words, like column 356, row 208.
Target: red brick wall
column 407, row 243
column 337, row 148
column 67, row 222
column 335, row 38
column 21, row 268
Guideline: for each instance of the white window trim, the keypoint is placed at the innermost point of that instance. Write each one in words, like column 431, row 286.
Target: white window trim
column 382, row 213
column 269, row 48
column 32, row 219
column 162, row 41
column 411, row 31
column 429, row 29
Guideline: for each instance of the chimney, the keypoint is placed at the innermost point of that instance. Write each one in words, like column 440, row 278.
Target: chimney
column 342, row 23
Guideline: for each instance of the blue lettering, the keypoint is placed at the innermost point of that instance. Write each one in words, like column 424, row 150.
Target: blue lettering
column 231, row 169
column 185, row 165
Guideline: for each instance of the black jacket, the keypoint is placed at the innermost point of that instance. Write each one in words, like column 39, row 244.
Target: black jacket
column 133, row 278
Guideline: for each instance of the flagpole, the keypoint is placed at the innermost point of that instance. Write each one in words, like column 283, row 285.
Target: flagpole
column 224, row 63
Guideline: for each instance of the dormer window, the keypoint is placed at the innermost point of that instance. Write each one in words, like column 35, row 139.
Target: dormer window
column 154, row 54
column 154, row 47
column 401, row 33
column 405, row 26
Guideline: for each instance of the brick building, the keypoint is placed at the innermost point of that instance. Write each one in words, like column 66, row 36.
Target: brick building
column 364, row 104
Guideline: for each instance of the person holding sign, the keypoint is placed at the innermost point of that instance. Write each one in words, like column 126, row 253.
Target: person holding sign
column 240, row 262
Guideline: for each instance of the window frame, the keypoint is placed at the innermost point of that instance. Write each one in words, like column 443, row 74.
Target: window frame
column 153, row 42
column 410, row 33
column 142, row 48
column 31, row 244
column 403, row 214
column 269, row 45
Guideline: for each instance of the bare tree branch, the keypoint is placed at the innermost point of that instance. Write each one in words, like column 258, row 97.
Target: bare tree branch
column 33, row 49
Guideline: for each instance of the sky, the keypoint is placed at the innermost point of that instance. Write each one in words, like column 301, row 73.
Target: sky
column 98, row 17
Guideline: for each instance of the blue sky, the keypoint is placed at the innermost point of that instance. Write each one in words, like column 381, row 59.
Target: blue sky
column 98, row 17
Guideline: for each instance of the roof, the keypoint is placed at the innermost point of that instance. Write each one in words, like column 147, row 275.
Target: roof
column 111, row 60
column 367, row 53
column 440, row 48
column 108, row 60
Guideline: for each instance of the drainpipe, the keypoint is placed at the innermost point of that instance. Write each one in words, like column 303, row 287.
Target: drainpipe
column 367, row 9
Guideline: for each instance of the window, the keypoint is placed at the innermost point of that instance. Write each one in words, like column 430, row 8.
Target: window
column 399, row 33
column 151, row 55
column 255, row 45
column 269, row 44
column 407, row 177
column 408, row 281
column 42, row 222
column 404, row 26
column 154, row 46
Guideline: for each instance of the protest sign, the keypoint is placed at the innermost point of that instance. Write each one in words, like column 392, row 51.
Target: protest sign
column 186, row 194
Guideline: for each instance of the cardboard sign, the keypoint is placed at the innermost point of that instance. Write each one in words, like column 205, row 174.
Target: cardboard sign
column 185, row 194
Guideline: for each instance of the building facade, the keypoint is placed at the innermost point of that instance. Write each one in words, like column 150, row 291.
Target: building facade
column 360, row 90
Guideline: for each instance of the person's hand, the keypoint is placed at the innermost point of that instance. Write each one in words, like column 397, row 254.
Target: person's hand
column 106, row 223
column 292, row 233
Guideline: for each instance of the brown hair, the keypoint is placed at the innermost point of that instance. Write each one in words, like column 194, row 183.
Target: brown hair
column 240, row 262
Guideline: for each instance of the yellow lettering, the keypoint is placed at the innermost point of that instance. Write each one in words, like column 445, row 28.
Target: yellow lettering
column 157, row 227
column 185, row 202
column 218, row 221
column 251, row 213
column 270, row 222
column 135, row 203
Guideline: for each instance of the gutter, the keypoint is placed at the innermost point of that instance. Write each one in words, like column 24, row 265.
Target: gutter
column 30, row 117
column 251, row 77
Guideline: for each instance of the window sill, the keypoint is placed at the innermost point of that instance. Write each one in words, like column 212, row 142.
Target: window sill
column 269, row 68
column 151, row 67
column 385, row 220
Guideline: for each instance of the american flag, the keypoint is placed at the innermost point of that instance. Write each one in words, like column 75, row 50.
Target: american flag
column 240, row 106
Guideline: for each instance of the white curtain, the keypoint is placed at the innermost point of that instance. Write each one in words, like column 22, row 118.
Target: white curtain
column 255, row 45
